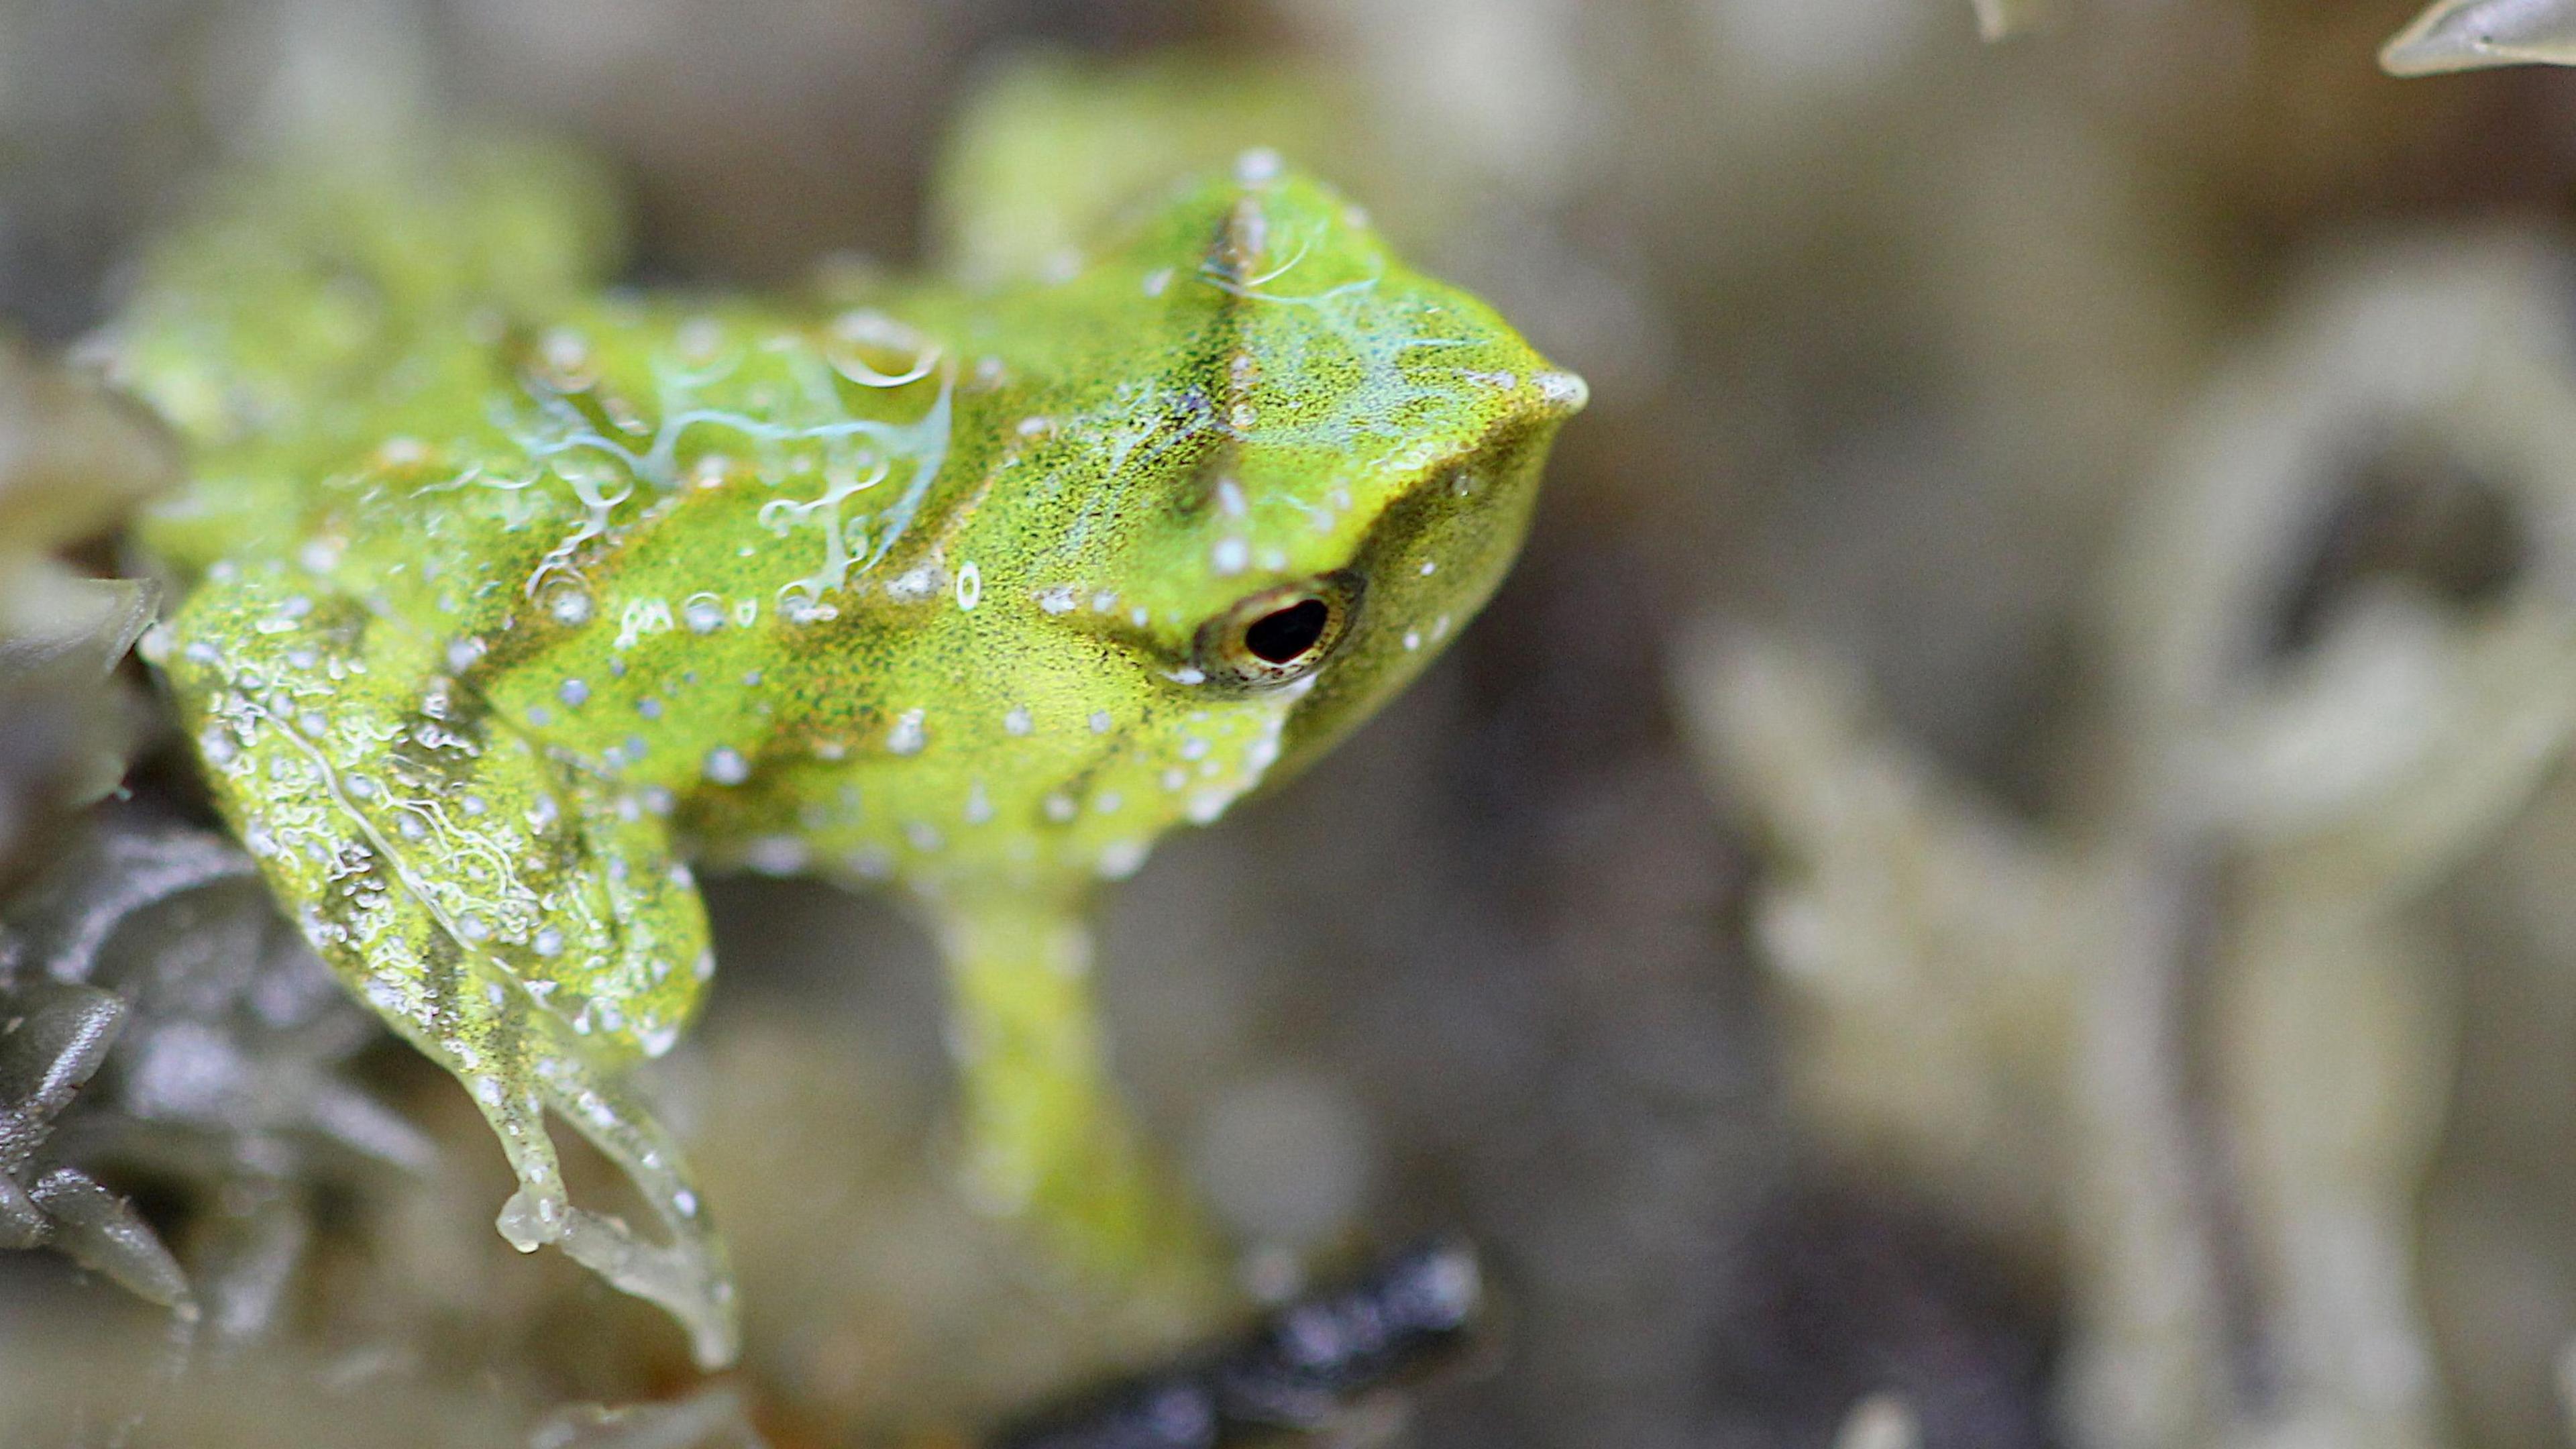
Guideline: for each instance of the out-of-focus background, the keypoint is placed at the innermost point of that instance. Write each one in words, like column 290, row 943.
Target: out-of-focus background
column 2002, row 874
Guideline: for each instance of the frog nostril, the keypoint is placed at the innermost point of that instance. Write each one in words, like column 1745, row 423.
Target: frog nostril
column 1282, row 636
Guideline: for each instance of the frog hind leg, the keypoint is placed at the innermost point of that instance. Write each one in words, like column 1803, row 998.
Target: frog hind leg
column 1046, row 1137
column 512, row 917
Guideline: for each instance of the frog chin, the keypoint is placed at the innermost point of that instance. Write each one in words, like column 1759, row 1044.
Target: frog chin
column 1261, row 759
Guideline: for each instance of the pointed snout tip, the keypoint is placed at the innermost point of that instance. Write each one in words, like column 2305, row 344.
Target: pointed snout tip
column 1562, row 394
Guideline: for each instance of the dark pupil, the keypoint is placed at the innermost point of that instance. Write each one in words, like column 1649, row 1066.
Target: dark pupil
column 1288, row 633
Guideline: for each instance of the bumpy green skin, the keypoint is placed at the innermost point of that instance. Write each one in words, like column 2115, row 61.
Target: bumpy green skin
column 506, row 597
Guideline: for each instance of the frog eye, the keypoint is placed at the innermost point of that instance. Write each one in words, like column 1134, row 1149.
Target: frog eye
column 1281, row 635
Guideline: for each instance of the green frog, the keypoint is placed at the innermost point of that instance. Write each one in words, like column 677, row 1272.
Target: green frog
column 511, row 596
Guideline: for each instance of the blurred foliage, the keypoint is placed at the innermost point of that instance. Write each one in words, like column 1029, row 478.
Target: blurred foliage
column 2476, row 34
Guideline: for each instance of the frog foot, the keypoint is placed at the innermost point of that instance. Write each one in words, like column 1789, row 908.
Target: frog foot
column 687, row 1275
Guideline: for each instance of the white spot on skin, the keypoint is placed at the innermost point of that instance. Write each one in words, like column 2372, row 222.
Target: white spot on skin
column 923, row 836
column 914, row 584
column 1429, row 568
column 1122, row 858
column 1158, row 281
column 1230, row 556
column 699, row 337
column 970, row 586
column 1412, row 639
column 1101, row 722
column 907, row 737
column 1060, row 808
column 1229, row 498
column 1017, row 722
column 704, row 614
column 564, row 350
column 726, row 766
column 1563, row 390
column 777, row 855
column 548, row 942
column 573, row 693
column 979, row 806
column 569, row 606
column 1258, row 166
column 1056, row 598
column 1107, row 802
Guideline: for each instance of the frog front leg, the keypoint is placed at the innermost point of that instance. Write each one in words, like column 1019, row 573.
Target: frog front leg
column 1045, row 1133
column 518, row 919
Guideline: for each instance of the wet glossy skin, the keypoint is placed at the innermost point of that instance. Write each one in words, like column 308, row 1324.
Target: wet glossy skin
column 507, row 597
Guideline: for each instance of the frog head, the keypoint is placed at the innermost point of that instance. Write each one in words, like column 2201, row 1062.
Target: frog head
column 1382, row 445
column 1262, row 473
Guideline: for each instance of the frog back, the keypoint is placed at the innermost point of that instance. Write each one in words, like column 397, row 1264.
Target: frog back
column 307, row 311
